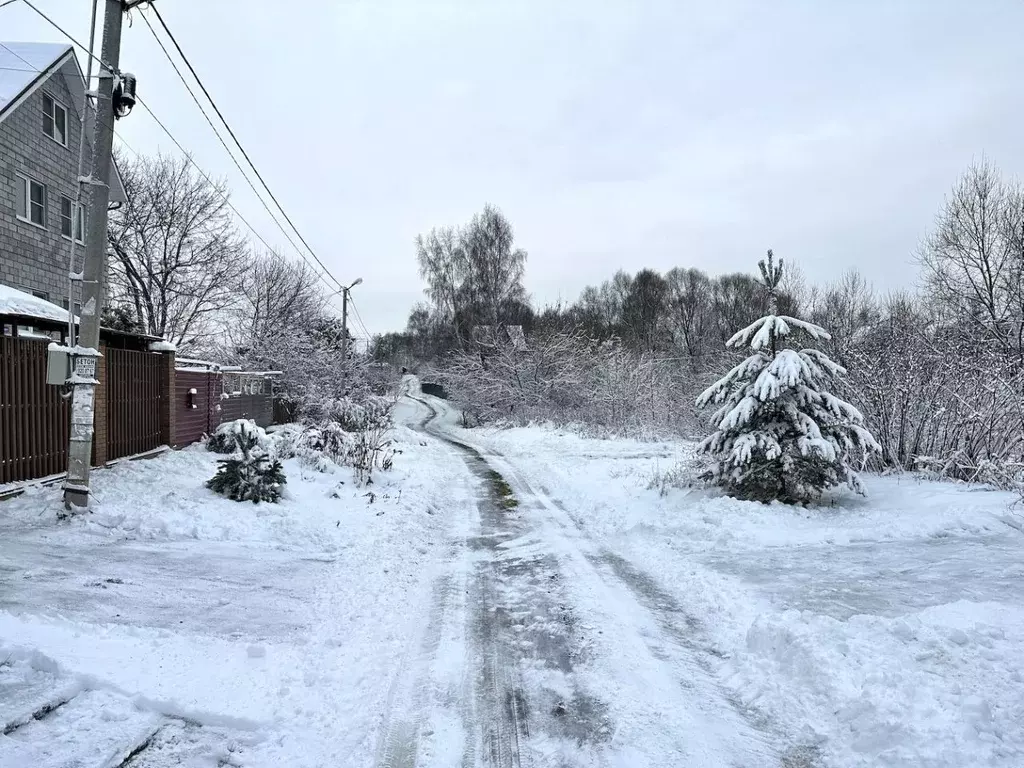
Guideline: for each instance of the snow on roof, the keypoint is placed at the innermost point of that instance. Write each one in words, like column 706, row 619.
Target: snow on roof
column 21, row 63
column 15, row 302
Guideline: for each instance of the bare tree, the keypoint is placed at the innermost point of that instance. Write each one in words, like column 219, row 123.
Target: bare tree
column 643, row 309
column 178, row 256
column 474, row 274
column 494, row 278
column 443, row 265
column 972, row 262
column 691, row 310
column 278, row 299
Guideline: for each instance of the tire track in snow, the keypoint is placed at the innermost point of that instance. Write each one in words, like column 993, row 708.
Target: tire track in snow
column 406, row 708
column 680, row 639
column 519, row 621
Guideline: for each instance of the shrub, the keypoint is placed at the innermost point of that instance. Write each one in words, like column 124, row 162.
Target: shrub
column 251, row 474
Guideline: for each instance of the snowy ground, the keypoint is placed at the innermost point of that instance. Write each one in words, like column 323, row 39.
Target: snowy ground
column 508, row 598
column 882, row 632
column 258, row 635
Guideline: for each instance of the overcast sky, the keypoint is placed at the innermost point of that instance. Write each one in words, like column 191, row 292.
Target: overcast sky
column 614, row 135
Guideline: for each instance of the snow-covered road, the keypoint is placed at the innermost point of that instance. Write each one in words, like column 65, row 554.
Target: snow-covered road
column 572, row 655
column 507, row 598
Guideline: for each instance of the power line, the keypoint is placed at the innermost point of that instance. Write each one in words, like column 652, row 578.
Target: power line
column 238, row 144
column 60, row 29
column 202, row 173
column 359, row 319
column 226, row 148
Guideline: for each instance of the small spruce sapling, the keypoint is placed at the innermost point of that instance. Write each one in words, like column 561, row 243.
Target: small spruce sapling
column 780, row 433
column 250, row 474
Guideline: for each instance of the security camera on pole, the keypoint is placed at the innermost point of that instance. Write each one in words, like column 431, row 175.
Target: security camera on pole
column 115, row 96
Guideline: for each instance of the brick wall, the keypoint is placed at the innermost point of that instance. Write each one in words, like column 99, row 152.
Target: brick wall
column 31, row 257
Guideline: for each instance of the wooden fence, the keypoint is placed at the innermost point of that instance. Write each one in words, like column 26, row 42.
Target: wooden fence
column 34, row 418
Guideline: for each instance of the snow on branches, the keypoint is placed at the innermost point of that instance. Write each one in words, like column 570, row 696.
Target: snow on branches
column 780, row 434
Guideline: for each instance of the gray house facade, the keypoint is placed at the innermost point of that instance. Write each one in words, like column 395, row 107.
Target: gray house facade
column 42, row 92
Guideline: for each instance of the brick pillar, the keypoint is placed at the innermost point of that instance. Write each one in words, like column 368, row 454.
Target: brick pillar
column 99, row 436
column 168, row 411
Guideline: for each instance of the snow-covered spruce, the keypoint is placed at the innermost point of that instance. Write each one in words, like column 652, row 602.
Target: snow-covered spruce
column 226, row 438
column 251, row 474
column 780, row 434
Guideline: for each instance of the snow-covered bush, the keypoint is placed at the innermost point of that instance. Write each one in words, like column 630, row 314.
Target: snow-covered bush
column 568, row 379
column 780, row 433
column 367, row 450
column 225, row 439
column 251, row 474
column 325, row 441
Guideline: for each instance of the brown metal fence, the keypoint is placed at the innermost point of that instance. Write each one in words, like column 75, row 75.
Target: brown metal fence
column 135, row 392
column 34, row 418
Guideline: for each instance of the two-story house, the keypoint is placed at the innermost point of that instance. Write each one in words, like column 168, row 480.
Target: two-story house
column 42, row 93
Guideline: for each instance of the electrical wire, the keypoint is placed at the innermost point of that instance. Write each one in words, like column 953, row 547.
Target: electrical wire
column 16, row 54
column 60, row 29
column 228, row 149
column 359, row 318
column 201, row 172
column 188, row 157
column 164, row 128
column 234, row 138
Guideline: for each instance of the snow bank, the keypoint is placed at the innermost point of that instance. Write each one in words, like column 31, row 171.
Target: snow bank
column 166, row 499
column 937, row 687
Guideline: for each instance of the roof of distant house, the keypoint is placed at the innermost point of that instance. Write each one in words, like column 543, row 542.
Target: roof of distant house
column 24, row 67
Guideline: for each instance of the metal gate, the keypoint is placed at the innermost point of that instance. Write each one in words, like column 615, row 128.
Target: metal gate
column 135, row 396
column 34, row 418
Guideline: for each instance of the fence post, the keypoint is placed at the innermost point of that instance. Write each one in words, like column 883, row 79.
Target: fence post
column 168, row 413
column 102, row 426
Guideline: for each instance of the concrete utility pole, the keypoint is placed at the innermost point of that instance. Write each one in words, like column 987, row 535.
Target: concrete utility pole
column 344, row 319
column 83, row 378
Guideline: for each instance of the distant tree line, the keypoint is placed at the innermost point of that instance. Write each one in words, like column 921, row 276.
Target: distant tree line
column 938, row 372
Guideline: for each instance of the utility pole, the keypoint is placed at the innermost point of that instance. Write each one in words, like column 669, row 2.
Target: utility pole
column 97, row 183
column 344, row 319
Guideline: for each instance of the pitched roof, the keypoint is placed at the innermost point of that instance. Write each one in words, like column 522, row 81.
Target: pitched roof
column 26, row 66
column 21, row 64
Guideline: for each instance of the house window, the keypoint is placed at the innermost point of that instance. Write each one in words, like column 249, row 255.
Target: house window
column 67, row 221
column 55, row 120
column 30, row 200
column 78, row 306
